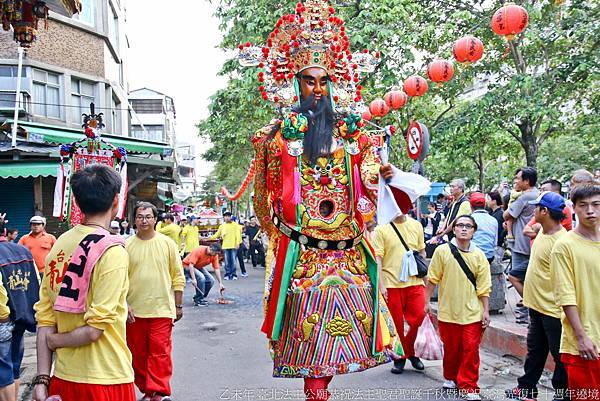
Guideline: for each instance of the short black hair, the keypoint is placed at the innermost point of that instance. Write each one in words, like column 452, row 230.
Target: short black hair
column 169, row 216
column 496, row 197
column 145, row 205
column 216, row 248
column 554, row 214
column 441, row 196
column 528, row 174
column 226, row 214
column 584, row 192
column 95, row 188
column 11, row 230
column 554, row 184
column 466, row 216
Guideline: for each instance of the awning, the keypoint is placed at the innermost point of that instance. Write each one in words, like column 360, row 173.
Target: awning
column 44, row 133
column 28, row 169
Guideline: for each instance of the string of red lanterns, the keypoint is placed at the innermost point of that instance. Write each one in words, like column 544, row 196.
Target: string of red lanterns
column 508, row 21
column 243, row 187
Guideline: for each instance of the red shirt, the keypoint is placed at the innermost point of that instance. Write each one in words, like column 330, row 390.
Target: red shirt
column 39, row 246
column 200, row 258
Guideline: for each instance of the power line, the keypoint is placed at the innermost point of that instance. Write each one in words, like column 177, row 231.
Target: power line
column 76, row 107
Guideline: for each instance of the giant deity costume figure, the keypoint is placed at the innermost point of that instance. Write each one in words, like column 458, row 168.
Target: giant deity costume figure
column 323, row 311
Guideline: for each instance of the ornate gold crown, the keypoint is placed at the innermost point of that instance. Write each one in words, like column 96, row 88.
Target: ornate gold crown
column 312, row 37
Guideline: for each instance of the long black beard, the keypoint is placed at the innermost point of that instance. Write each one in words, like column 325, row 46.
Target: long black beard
column 318, row 139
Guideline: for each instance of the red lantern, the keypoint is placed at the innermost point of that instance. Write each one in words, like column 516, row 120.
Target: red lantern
column 510, row 20
column 379, row 108
column 395, row 99
column 415, row 86
column 440, row 71
column 366, row 115
column 468, row 49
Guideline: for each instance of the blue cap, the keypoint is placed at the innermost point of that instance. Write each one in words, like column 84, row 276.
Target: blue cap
column 550, row 200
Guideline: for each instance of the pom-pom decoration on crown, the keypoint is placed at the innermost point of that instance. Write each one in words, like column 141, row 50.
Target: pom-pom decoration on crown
column 312, row 37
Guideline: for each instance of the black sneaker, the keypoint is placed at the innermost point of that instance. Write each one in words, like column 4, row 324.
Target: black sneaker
column 416, row 363
column 398, row 368
column 202, row 302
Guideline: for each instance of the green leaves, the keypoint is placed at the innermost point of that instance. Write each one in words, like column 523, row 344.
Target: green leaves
column 521, row 103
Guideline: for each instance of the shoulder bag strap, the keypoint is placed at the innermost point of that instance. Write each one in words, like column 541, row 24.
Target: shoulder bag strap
column 399, row 236
column 463, row 265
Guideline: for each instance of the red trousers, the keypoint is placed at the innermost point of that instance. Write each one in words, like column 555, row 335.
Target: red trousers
column 71, row 391
column 583, row 376
column 149, row 340
column 407, row 304
column 316, row 389
column 461, row 353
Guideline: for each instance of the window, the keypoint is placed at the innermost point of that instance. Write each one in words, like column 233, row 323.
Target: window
column 147, row 106
column 113, row 27
column 153, row 132
column 87, row 12
column 10, row 71
column 46, row 94
column 115, row 113
column 82, row 94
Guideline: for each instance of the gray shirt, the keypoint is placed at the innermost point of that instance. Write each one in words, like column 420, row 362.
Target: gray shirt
column 522, row 212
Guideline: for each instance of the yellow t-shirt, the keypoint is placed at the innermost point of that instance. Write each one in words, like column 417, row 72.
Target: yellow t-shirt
column 389, row 248
column 575, row 270
column 538, row 292
column 231, row 234
column 457, row 300
column 172, row 231
column 155, row 272
column 108, row 360
column 192, row 237
column 4, row 309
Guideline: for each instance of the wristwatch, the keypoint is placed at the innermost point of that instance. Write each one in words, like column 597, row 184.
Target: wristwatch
column 179, row 306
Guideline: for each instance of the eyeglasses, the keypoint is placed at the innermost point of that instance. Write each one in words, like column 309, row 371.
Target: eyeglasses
column 467, row 226
column 148, row 217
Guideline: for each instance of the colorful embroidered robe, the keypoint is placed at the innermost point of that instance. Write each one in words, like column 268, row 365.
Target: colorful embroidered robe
column 323, row 312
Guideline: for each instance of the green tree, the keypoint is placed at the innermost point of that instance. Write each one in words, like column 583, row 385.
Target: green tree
column 520, row 95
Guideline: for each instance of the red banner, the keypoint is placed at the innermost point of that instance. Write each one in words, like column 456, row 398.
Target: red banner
column 82, row 159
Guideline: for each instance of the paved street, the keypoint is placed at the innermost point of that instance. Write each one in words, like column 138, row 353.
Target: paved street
column 220, row 354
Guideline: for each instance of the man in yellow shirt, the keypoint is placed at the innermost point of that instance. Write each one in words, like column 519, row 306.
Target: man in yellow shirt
column 170, row 229
column 231, row 235
column 463, row 303
column 576, row 276
column 92, row 361
column 190, row 236
column 544, row 331
column 155, row 300
column 405, row 296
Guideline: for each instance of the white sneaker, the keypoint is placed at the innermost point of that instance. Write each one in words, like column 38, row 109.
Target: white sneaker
column 471, row 396
column 449, row 384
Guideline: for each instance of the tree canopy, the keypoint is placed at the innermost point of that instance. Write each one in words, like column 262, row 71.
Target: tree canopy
column 528, row 101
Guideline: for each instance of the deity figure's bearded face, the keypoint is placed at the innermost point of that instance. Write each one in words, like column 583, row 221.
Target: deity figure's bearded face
column 314, row 81
column 316, row 105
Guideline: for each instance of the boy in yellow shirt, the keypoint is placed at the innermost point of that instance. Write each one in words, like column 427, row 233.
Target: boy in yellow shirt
column 575, row 271
column 544, row 331
column 405, row 296
column 170, row 229
column 155, row 300
column 92, row 361
column 463, row 302
column 231, row 235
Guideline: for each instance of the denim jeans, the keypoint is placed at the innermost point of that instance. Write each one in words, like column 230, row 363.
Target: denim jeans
column 205, row 282
column 230, row 257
